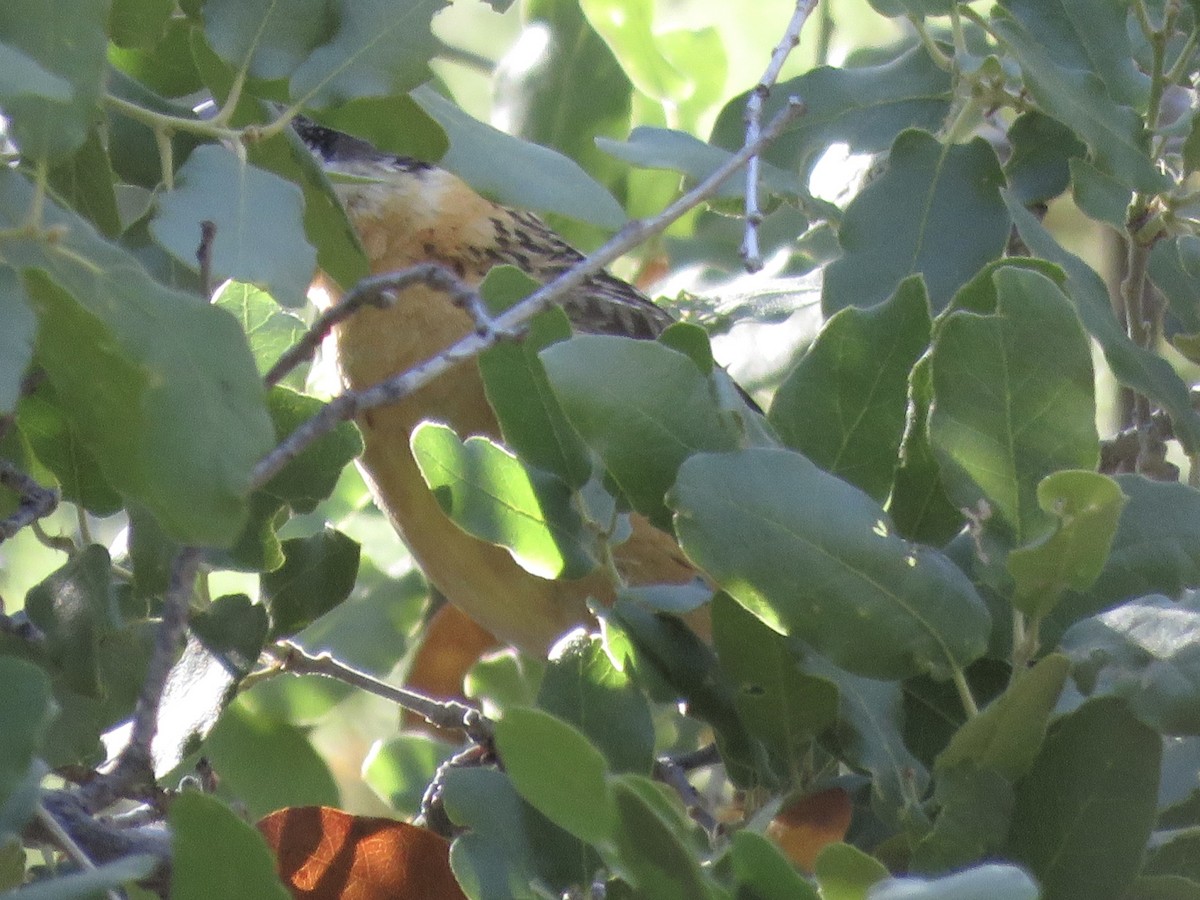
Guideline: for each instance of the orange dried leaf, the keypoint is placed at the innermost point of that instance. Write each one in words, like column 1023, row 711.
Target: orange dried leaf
column 328, row 854
column 805, row 827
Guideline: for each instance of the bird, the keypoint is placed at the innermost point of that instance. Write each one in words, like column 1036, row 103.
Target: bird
column 407, row 212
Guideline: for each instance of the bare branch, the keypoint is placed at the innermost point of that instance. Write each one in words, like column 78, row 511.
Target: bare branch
column 511, row 321
column 379, row 291
column 34, row 501
column 750, row 252
column 135, row 763
column 442, row 713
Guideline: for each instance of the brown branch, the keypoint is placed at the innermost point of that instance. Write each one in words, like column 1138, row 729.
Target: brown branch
column 34, row 502
column 449, row 714
column 135, row 765
column 375, row 290
column 751, row 253
column 513, row 320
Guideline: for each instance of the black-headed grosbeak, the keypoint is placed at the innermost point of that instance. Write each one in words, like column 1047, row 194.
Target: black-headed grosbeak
column 410, row 212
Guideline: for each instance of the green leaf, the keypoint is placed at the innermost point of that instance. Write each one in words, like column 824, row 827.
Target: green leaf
column 75, row 610
column 270, row 330
column 84, row 182
column 1089, row 37
column 1177, row 856
column 760, row 870
column 1146, row 651
column 1006, row 736
column 649, row 847
column 918, row 504
column 1191, row 146
column 675, row 664
column 628, row 31
column 508, row 845
column 1099, row 195
column 1142, row 370
column 1079, row 99
column 1156, row 550
column 312, row 476
column 815, row 558
column 269, row 39
column 66, row 41
column 400, row 769
column 1175, row 270
column 870, row 736
column 575, row 94
column 1038, row 169
column 167, row 67
column 1086, row 808
column 492, row 495
column 317, row 574
column 974, row 810
column 847, row 873
column 377, row 48
column 125, row 355
column 782, row 706
column 46, row 424
column 515, row 172
column 87, row 885
column 993, row 881
column 864, row 107
column 643, row 407
column 531, row 419
column 214, row 185
column 138, row 23
column 559, row 772
column 845, row 403
column 21, row 76
column 1013, row 400
column 935, row 211
column 26, row 707
column 246, row 747
column 582, row 687
column 222, row 649
column 678, row 151
column 1088, row 506
column 16, row 338
column 203, row 829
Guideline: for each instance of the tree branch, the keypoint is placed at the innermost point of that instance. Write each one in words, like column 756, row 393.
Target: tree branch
column 750, row 252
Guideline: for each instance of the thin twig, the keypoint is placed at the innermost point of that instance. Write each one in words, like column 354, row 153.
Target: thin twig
column 34, row 502
column 673, row 775
column 63, row 839
column 375, row 290
column 208, row 233
column 512, row 320
column 135, row 763
column 442, row 713
column 750, row 252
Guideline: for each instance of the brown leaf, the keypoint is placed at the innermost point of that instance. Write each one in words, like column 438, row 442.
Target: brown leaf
column 327, row 854
column 805, row 827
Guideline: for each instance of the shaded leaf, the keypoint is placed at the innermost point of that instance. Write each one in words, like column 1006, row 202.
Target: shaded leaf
column 935, row 211
column 1137, row 368
column 844, row 404
column 214, row 185
column 815, row 558
column 1146, row 651
column 204, row 829
column 1085, row 810
column 317, row 574
column 1013, row 400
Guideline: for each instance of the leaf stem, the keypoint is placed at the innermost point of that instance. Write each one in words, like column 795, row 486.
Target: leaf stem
column 964, row 693
column 940, row 59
